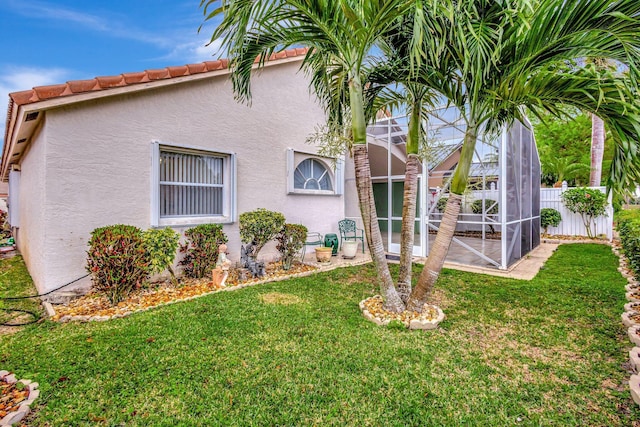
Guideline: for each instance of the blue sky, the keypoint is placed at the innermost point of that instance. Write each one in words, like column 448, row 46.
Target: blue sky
column 49, row 42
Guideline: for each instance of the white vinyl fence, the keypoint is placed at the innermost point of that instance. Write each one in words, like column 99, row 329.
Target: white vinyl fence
column 572, row 224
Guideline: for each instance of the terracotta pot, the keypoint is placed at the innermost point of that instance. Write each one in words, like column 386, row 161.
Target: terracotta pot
column 349, row 248
column 323, row 254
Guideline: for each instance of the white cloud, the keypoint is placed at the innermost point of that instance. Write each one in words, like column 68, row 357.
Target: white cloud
column 14, row 79
column 51, row 12
column 193, row 52
column 182, row 42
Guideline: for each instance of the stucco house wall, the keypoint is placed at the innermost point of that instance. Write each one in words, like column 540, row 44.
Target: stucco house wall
column 91, row 164
column 31, row 209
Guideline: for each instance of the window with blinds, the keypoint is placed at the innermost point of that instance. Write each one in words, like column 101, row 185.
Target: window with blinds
column 191, row 184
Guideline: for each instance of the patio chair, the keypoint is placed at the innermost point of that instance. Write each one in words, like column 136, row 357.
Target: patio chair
column 349, row 231
column 313, row 239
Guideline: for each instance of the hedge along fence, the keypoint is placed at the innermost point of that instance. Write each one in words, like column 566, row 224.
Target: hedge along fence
column 629, row 230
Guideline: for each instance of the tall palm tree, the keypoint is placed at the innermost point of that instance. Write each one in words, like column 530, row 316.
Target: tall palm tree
column 393, row 82
column 597, row 150
column 341, row 35
column 512, row 56
column 597, row 135
column 382, row 95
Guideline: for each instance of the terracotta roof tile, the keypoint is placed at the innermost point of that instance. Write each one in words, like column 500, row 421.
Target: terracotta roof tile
column 182, row 70
column 132, row 78
column 197, row 68
column 213, row 65
column 107, row 82
column 159, row 74
column 75, row 87
column 52, row 91
column 23, row 97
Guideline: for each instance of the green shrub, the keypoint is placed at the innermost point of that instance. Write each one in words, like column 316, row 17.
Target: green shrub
column 549, row 217
column 629, row 230
column 491, row 205
column 201, row 249
column 290, row 240
column 117, row 260
column 588, row 202
column 258, row 227
column 161, row 245
column 441, row 204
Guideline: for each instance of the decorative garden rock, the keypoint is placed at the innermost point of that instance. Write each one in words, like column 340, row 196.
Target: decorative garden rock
column 427, row 324
column 14, row 415
column 633, row 296
column 634, row 386
column 634, row 336
column 634, row 358
column 632, row 306
column 630, row 318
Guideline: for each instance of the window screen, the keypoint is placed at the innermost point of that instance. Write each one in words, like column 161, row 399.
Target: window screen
column 191, row 184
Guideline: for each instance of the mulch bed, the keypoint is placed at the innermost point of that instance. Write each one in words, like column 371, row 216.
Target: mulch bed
column 11, row 396
column 374, row 306
column 95, row 304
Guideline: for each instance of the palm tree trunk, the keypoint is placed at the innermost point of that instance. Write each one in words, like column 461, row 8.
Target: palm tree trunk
column 408, row 226
column 438, row 253
column 409, row 202
column 392, row 301
column 597, row 150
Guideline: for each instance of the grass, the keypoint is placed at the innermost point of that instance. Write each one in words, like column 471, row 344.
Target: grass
column 298, row 352
column 15, row 282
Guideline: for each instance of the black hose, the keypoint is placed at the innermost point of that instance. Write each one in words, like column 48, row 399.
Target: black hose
column 35, row 315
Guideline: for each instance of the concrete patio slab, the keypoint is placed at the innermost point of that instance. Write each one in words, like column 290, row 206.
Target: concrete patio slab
column 524, row 269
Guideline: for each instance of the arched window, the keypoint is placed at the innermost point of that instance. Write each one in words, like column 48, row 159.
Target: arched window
column 311, row 174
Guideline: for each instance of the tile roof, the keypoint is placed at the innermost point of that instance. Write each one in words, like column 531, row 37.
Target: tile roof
column 74, row 87
column 100, row 85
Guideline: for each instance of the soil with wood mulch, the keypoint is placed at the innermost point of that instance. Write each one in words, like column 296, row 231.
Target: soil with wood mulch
column 95, row 304
column 573, row 238
column 11, row 396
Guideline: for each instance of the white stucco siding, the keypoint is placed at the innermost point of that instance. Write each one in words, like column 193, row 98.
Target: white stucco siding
column 98, row 158
column 31, row 235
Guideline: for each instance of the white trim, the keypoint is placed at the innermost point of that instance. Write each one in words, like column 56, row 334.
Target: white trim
column 336, row 173
column 502, row 182
column 155, row 184
column 229, row 190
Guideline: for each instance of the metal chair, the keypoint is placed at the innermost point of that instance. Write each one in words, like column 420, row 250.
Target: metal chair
column 313, row 239
column 349, row 231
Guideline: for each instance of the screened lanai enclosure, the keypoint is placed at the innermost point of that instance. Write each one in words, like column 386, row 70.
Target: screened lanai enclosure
column 500, row 218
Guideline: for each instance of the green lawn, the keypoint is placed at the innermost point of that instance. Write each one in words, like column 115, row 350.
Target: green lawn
column 298, row 352
column 16, row 282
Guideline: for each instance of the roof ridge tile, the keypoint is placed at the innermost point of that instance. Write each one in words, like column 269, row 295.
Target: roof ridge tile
column 74, row 87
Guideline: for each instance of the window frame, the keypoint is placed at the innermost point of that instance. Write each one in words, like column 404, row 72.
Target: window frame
column 229, row 194
column 336, row 173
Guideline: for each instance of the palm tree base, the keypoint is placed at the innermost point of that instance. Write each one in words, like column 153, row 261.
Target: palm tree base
column 429, row 318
